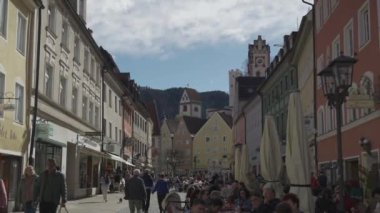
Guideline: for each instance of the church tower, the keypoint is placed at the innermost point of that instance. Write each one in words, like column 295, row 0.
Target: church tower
column 258, row 57
column 190, row 103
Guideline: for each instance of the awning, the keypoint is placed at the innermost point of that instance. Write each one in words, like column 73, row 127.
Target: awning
column 51, row 141
column 117, row 158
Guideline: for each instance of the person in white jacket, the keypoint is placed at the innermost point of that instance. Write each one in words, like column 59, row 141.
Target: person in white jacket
column 105, row 182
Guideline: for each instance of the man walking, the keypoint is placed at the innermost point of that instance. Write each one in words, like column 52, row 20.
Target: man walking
column 148, row 182
column 135, row 192
column 50, row 189
column 162, row 188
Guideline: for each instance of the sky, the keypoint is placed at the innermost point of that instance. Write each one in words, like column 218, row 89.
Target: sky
column 188, row 43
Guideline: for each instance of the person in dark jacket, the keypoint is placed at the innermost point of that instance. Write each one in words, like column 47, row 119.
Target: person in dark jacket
column 270, row 200
column 322, row 180
column 324, row 203
column 148, row 182
column 162, row 188
column 135, row 192
column 50, row 189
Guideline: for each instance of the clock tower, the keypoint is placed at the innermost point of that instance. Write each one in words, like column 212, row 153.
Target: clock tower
column 258, row 57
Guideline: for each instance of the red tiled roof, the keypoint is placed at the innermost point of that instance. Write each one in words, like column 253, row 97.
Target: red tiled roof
column 193, row 95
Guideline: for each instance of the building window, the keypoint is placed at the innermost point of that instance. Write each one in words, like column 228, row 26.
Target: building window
column 104, row 92
column 364, row 25
column 349, row 40
column 49, row 81
column 195, row 109
column 92, row 71
column 184, row 108
column 115, row 104
column 292, row 78
column 336, row 47
column 19, row 106
column 120, row 137
column 97, row 117
column 321, row 16
column 51, row 18
column 74, row 100
column 62, row 91
column 120, row 108
column 2, row 92
column 91, row 113
column 207, row 139
column 21, row 34
column 76, row 49
column 86, row 61
column 65, row 35
column 97, row 74
column 82, row 11
column 3, row 17
column 109, row 98
column 45, row 151
column 110, row 129
column 115, row 133
column 104, row 127
column 84, row 108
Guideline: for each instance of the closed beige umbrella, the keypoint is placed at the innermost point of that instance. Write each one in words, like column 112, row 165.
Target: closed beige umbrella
column 298, row 154
column 270, row 155
column 244, row 165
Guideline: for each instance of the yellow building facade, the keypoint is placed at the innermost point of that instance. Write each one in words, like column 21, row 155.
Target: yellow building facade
column 17, row 30
column 212, row 146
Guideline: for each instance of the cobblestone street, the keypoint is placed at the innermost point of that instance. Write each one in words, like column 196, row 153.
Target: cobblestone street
column 96, row 204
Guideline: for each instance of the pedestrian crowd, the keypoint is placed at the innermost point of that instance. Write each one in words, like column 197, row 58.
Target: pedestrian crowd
column 211, row 194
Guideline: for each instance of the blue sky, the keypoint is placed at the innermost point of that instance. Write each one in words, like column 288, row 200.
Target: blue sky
column 176, row 43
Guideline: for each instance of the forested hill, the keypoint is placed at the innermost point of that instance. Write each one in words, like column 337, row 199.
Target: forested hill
column 168, row 100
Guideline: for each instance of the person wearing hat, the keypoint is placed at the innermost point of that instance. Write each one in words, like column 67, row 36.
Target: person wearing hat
column 172, row 202
column 270, row 200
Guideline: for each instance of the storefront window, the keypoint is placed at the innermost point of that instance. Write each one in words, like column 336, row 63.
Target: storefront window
column 45, row 151
column 88, row 171
column 83, row 171
column 10, row 170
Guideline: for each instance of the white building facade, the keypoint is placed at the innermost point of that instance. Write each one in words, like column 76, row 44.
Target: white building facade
column 69, row 97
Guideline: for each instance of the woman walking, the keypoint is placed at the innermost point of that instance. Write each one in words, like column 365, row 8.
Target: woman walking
column 26, row 190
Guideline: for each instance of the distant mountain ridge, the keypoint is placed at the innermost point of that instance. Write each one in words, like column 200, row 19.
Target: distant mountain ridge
column 168, row 100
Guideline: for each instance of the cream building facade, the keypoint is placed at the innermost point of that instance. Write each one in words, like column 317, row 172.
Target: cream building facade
column 213, row 145
column 142, row 137
column 17, row 44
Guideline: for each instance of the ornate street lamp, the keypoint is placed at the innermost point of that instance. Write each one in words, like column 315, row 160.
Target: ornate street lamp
column 336, row 79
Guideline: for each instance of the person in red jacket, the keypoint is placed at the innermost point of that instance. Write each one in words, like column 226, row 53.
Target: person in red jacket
column 314, row 183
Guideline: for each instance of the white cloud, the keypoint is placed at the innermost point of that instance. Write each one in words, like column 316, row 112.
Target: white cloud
column 156, row 27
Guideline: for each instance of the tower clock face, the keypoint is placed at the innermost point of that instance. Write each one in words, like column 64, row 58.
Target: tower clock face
column 259, row 60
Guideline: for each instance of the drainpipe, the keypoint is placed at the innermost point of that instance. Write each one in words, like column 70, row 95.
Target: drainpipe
column 33, row 134
column 315, row 86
